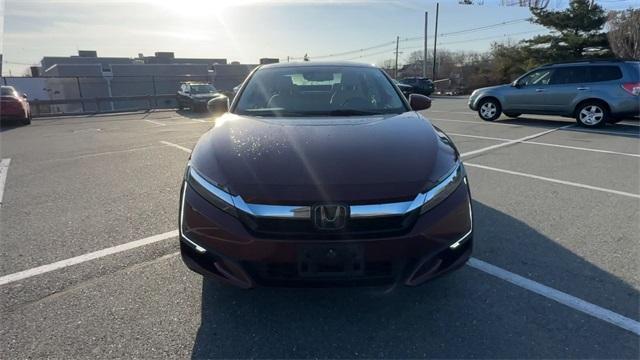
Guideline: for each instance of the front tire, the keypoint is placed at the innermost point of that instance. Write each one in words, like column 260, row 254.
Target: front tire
column 592, row 114
column 26, row 120
column 489, row 109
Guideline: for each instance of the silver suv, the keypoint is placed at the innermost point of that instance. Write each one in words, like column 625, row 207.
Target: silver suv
column 593, row 91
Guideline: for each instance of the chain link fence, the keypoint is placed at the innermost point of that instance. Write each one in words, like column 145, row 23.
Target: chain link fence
column 78, row 95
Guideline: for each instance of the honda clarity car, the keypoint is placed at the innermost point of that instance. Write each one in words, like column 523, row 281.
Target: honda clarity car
column 324, row 174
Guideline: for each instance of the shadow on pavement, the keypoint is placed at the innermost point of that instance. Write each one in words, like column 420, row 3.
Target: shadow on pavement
column 467, row 314
column 621, row 129
column 7, row 125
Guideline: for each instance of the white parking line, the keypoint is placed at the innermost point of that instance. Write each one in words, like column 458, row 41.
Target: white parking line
column 4, row 169
column 511, row 142
column 452, row 112
column 177, row 146
column 569, row 183
column 155, row 122
column 559, row 296
column 476, row 122
column 546, row 144
column 540, row 289
column 84, row 258
column 568, row 128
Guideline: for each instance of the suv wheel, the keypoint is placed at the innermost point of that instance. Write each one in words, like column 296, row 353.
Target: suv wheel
column 489, row 109
column 592, row 114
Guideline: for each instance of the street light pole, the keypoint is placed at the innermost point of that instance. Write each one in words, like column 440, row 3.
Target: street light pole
column 424, row 60
column 395, row 76
column 435, row 42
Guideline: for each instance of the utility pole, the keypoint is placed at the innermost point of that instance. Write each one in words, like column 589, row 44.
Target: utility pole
column 395, row 76
column 435, row 42
column 424, row 60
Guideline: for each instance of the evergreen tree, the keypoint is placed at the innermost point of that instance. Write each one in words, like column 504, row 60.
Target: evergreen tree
column 577, row 32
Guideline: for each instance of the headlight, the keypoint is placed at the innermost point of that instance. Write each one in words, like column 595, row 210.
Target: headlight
column 210, row 191
column 445, row 187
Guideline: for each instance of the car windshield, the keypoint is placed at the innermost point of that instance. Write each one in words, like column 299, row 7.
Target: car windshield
column 319, row 91
column 202, row 89
column 7, row 91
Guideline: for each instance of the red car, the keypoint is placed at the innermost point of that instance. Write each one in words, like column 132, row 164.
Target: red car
column 14, row 106
column 324, row 175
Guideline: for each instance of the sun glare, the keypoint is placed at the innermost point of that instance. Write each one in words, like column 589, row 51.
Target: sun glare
column 198, row 8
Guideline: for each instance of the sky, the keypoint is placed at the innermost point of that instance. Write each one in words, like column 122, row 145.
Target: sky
column 246, row 30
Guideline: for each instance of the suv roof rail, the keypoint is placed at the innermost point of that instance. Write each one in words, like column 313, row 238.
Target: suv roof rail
column 578, row 61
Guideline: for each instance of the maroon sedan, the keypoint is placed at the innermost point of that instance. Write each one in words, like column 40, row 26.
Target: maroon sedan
column 324, row 175
column 14, row 106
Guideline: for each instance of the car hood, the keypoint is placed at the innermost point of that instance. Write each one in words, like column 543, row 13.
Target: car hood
column 493, row 88
column 308, row 160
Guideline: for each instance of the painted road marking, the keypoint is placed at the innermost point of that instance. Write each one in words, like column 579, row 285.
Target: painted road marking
column 546, row 144
column 21, row 275
column 511, row 142
column 558, row 296
column 177, row 146
column 476, row 122
column 155, row 122
column 527, row 284
column 4, row 169
column 616, row 192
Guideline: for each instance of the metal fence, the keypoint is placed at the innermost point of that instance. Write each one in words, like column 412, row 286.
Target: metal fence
column 78, row 95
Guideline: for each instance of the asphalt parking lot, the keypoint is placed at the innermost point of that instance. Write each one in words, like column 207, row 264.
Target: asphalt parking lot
column 89, row 264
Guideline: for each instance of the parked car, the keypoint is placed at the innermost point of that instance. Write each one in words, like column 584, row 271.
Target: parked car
column 404, row 88
column 324, row 175
column 196, row 95
column 420, row 85
column 593, row 91
column 14, row 106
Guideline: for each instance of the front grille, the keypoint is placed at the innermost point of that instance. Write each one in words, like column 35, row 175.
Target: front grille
column 359, row 228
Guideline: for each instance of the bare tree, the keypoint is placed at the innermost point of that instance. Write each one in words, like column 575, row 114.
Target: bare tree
column 624, row 33
column 537, row 4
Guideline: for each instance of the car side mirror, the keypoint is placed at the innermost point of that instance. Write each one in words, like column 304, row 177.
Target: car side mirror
column 419, row 102
column 516, row 84
column 218, row 105
column 24, row 96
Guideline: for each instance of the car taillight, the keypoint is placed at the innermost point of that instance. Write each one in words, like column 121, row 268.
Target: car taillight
column 632, row 88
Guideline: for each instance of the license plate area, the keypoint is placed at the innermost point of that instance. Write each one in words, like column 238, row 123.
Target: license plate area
column 331, row 261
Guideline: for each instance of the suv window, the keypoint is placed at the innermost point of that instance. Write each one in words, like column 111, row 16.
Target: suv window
column 538, row 77
column 570, row 75
column 605, row 73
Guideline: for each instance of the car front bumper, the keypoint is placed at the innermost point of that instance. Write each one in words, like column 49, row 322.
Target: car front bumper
column 219, row 245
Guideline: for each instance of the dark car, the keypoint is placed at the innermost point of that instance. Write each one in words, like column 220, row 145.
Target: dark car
column 14, row 106
column 324, row 175
column 419, row 85
column 594, row 92
column 196, row 95
column 404, row 88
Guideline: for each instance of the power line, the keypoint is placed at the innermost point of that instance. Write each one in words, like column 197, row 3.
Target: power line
column 391, row 50
column 380, row 45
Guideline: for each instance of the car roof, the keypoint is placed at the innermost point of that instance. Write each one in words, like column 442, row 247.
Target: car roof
column 316, row 63
column 589, row 62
